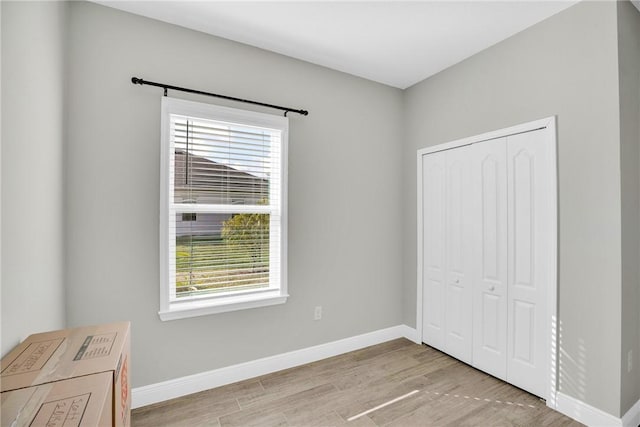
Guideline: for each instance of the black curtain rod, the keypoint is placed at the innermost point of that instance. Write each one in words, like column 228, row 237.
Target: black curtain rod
column 138, row 81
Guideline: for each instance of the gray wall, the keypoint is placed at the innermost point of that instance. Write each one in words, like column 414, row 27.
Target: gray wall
column 344, row 193
column 33, row 55
column 564, row 66
column 629, row 71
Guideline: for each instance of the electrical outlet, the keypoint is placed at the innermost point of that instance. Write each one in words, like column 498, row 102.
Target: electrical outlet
column 317, row 314
column 629, row 360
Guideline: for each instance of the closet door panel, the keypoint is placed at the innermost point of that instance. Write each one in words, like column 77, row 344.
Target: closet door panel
column 489, row 213
column 528, row 219
column 458, row 298
column 433, row 280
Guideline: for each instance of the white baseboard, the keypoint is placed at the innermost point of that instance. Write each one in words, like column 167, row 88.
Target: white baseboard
column 411, row 334
column 632, row 417
column 587, row 414
column 159, row 392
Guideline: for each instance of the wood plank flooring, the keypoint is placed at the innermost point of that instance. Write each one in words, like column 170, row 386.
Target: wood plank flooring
column 333, row 391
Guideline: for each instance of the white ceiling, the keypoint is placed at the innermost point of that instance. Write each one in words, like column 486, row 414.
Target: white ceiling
column 398, row 43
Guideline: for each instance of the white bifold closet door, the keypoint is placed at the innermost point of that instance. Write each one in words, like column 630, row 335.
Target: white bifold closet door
column 433, row 187
column 447, row 294
column 489, row 242
column 529, row 220
column 486, row 230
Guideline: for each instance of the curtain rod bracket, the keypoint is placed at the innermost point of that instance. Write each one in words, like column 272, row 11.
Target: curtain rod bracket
column 136, row 80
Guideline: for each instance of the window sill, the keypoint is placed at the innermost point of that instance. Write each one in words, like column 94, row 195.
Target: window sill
column 183, row 310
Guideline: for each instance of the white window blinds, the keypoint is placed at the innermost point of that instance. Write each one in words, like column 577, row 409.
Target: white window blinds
column 224, row 205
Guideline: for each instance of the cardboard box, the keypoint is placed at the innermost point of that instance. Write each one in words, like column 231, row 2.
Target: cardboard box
column 59, row 355
column 83, row 401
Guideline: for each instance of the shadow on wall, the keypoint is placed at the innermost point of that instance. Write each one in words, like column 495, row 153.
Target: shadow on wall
column 554, row 362
column 572, row 378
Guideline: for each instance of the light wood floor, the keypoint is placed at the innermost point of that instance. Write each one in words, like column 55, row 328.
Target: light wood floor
column 332, row 391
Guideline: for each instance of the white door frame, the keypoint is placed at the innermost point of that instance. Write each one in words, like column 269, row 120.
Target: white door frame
column 548, row 123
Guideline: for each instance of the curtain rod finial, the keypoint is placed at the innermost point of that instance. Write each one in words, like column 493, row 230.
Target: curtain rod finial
column 136, row 80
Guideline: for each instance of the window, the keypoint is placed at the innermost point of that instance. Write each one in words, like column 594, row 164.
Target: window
column 223, row 209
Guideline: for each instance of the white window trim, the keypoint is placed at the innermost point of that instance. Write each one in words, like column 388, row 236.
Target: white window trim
column 229, row 301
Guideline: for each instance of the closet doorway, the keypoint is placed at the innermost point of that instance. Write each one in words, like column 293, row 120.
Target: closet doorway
column 487, row 253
